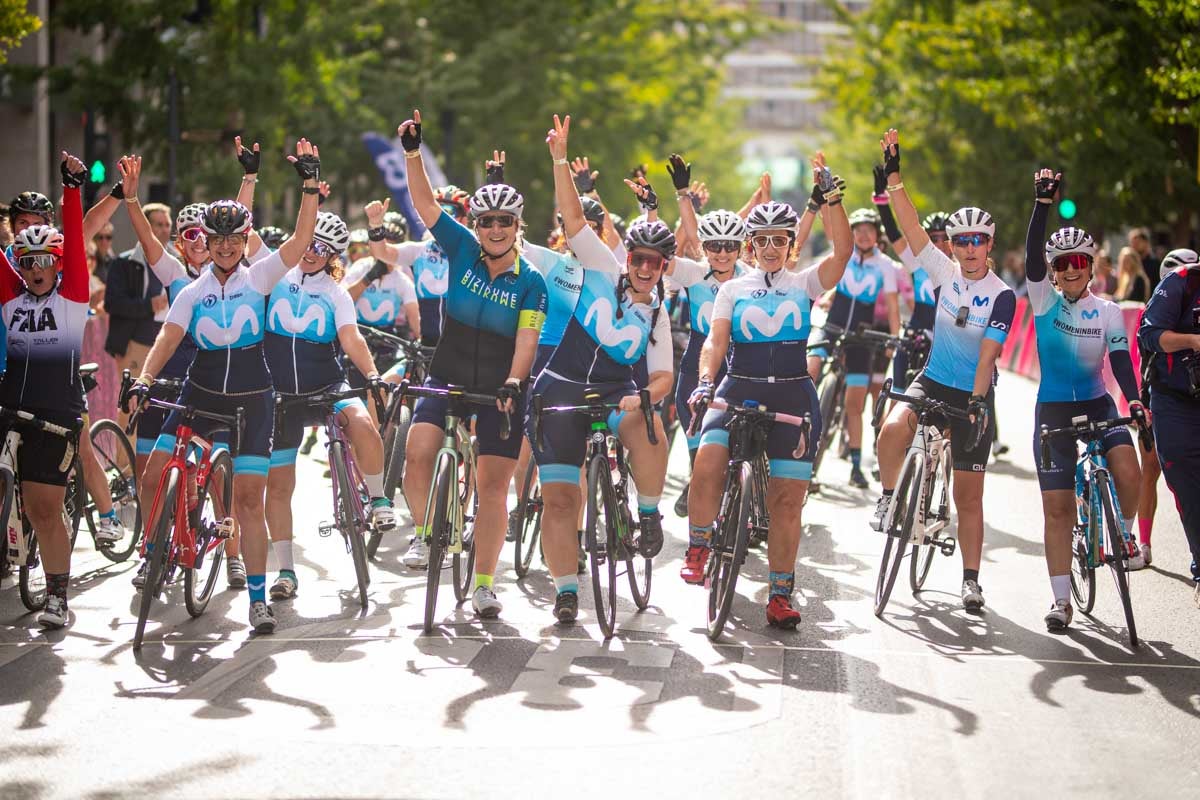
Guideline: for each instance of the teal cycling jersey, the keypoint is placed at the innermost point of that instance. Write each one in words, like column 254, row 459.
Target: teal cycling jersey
column 429, row 270
column 304, row 314
column 1072, row 341
column 564, row 280
column 382, row 302
column 925, row 294
column 861, row 285
column 699, row 284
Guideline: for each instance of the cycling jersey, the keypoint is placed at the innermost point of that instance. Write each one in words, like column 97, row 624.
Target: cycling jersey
column 174, row 277
column 227, row 322
column 864, row 281
column 606, row 336
column 429, row 269
column 769, row 315
column 304, row 314
column 1174, row 306
column 564, row 281
column 925, row 293
column 989, row 305
column 45, row 334
column 382, row 302
column 699, row 285
column 483, row 314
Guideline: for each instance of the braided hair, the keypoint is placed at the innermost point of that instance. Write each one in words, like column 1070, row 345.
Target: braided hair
column 624, row 283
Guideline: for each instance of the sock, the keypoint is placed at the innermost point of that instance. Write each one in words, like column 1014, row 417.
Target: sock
column 374, row 484
column 971, row 575
column 1144, row 528
column 888, row 492
column 1129, row 524
column 111, row 514
column 1061, row 586
column 56, row 583
column 700, row 535
column 856, row 457
column 257, row 585
column 781, row 583
column 566, row 583
column 648, row 504
column 283, row 554
column 579, row 533
column 421, row 531
column 483, row 580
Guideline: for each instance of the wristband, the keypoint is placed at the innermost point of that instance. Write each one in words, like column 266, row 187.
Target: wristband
column 376, row 234
column 412, row 153
column 813, row 207
column 881, row 199
column 131, row 199
column 374, row 376
column 311, row 189
column 249, row 179
column 895, row 188
column 560, row 162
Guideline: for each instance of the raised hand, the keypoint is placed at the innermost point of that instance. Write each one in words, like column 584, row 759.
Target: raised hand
column 1045, row 185
column 699, row 193
column 74, row 173
column 410, row 133
column 556, row 137
column 375, row 211
column 890, row 144
column 680, row 172
column 307, row 160
column 248, row 158
column 130, row 168
column 880, row 177
column 647, row 199
column 323, row 190
column 494, row 167
column 585, row 178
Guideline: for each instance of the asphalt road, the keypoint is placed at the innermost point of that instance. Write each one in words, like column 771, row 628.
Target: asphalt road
column 338, row 704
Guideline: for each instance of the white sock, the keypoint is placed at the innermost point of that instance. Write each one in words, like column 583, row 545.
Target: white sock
column 1061, row 586
column 283, row 554
column 1131, row 526
column 374, row 484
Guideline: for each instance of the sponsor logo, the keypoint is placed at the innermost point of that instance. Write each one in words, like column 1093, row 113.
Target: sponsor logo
column 981, row 301
column 769, row 324
column 599, row 320
column 1090, row 313
column 283, row 317
column 384, row 312
column 1077, row 331
column 30, row 320
column 209, row 300
column 210, row 334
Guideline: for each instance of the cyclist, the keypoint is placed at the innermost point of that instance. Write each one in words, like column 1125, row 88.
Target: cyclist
column 761, row 320
column 45, row 313
column 359, row 247
column 617, row 321
column 308, row 315
column 494, row 308
column 1171, row 329
column 271, row 236
column 224, row 310
column 975, row 312
column 1075, row 329
column 385, row 298
column 868, row 275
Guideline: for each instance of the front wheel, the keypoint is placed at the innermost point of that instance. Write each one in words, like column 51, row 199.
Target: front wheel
column 731, row 539
column 1117, row 556
column 212, row 506
column 529, row 520
column 116, row 457
column 349, row 521
column 158, row 548
column 1083, row 575
column 437, row 517
column 600, row 527
column 908, row 492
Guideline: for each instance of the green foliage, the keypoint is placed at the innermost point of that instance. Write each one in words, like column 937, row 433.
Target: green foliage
column 15, row 24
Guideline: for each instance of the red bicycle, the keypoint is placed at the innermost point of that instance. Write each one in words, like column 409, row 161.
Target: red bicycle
column 189, row 529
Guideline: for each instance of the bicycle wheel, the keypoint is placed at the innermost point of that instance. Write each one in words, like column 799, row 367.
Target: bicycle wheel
column 348, row 520
column 74, row 502
column 116, row 457
column 6, row 500
column 395, row 448
column 827, row 400
column 600, row 528
column 731, row 539
column 159, row 547
column 922, row 554
column 908, row 491
column 212, row 506
column 1117, row 556
column 1083, row 575
column 639, row 568
column 463, row 564
column 529, row 521
column 32, row 574
column 437, row 517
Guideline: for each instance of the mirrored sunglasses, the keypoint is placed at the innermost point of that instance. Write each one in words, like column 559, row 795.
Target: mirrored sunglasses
column 37, row 261
column 972, row 239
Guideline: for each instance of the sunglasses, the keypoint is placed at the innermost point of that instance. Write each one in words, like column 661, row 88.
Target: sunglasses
column 320, row 248
column 102, row 237
column 779, row 240
column 938, row 237
column 191, row 234
column 642, row 260
column 722, row 247
column 492, row 220
column 1071, row 260
column 233, row 238
column 973, row 239
column 39, row 261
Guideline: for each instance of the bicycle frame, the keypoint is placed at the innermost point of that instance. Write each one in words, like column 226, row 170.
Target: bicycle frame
column 335, row 434
column 456, row 445
column 183, row 530
column 1089, row 470
column 930, row 450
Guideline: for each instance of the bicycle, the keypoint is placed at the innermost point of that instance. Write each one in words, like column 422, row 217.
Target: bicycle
column 185, row 533
column 21, row 541
column 1099, row 536
column 607, row 505
column 351, row 500
column 451, row 493
column 922, row 494
column 528, row 526
column 742, row 514
column 915, row 344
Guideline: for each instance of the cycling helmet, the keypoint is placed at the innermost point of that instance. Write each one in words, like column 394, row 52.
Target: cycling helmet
column 1065, row 241
column 865, row 216
column 452, row 195
column 38, row 239
column 397, row 219
column 770, row 216
column 226, row 218
column 190, row 216
column 332, row 231
column 937, row 221
column 497, row 197
column 272, row 237
column 971, row 220
column 721, row 225
column 393, row 233
column 1178, row 259
column 359, row 236
column 654, row 235
column 31, row 203
column 592, row 211
column 619, row 224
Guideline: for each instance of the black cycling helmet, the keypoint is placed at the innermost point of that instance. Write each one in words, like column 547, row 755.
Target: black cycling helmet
column 272, row 237
column 937, row 221
column 31, row 203
column 619, row 224
column 592, row 211
column 654, row 235
column 226, row 218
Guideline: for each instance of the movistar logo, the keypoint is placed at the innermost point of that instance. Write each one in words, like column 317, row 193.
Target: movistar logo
column 1090, row 313
column 980, row 301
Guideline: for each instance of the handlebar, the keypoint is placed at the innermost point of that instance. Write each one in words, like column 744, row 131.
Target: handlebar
column 804, row 422
column 923, row 405
column 24, row 417
column 411, row 349
column 235, row 422
column 594, row 408
column 162, row 387
column 328, row 399
column 1084, row 428
column 457, row 392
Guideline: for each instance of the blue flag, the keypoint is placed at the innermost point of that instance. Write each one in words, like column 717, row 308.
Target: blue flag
column 389, row 158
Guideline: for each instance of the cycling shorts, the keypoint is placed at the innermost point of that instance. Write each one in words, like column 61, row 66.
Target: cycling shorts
column 789, row 397
column 1064, row 453
column 291, row 422
column 564, row 437
column 684, row 386
column 859, row 358
column 43, row 455
column 544, row 351
column 259, row 414
column 487, row 422
column 964, row 459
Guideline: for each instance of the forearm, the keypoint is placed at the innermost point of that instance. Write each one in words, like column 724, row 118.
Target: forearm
column 525, row 349
column 567, row 199
column 151, row 247
column 1173, row 342
column 420, row 190
column 293, row 249
column 386, row 252
column 412, row 312
column 906, row 215
column 98, row 216
column 712, row 355
column 1035, row 260
column 356, row 348
column 687, row 215
column 1122, row 369
column 659, row 386
column 989, row 351
column 804, row 230
column 893, row 309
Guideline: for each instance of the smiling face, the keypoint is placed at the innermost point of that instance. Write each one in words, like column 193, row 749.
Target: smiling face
column 227, row 251
column 721, row 258
column 644, row 269
column 772, row 247
column 1073, row 273
column 866, row 236
column 316, row 257
column 194, row 246
column 497, row 233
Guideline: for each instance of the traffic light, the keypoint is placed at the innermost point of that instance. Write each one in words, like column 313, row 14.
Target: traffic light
column 1066, row 208
column 97, row 172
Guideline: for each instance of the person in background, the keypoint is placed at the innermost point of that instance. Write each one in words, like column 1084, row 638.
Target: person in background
column 1139, row 240
column 6, row 234
column 1104, row 282
column 1013, row 272
column 1132, row 282
column 105, row 255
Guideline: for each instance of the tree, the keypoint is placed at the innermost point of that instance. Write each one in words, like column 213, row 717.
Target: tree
column 15, row 24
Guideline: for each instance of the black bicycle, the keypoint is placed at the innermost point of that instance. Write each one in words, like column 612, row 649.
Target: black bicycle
column 610, row 528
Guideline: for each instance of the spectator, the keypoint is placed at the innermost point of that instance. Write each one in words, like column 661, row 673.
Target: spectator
column 1104, row 281
column 1139, row 240
column 103, row 241
column 1013, row 272
column 1132, row 282
column 6, row 236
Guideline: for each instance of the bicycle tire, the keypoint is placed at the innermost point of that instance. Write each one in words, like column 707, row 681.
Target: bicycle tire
column 1083, row 575
column 827, row 395
column 122, row 488
column 731, row 541
column 160, row 541
column 462, row 577
column 32, row 576
column 922, row 554
column 437, row 513
column 1118, row 559
column 74, row 501
column 347, row 520
column 529, row 520
column 7, row 489
column 896, row 541
column 197, row 587
column 602, row 556
column 396, row 449
column 638, row 568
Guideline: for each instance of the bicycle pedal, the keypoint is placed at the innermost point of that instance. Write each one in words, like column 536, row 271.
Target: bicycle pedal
column 224, row 528
column 326, row 529
column 947, row 546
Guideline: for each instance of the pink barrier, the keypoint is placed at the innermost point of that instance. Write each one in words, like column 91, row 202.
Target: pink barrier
column 1008, row 352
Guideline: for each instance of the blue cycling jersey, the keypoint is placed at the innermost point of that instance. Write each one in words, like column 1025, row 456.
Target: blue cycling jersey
column 1072, row 340
column 698, row 285
column 429, row 270
column 382, row 302
column 770, row 320
column 174, row 277
column 564, row 280
column 862, row 283
column 304, row 314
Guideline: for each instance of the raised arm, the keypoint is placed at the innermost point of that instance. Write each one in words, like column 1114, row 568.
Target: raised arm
column 837, row 227
column 307, row 162
column 249, row 159
column 130, row 168
column 98, row 215
column 419, row 188
column 564, row 185
column 1045, row 184
column 761, row 194
column 647, row 199
column 75, row 277
column 380, row 247
column 906, row 212
column 681, row 178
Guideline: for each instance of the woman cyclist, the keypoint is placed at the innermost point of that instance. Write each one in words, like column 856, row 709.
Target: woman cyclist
column 1075, row 329
column 494, row 308
column 975, row 312
column 309, row 315
column 44, row 301
column 761, row 320
column 224, row 310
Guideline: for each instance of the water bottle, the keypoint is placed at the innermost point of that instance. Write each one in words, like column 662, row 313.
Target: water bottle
column 18, row 550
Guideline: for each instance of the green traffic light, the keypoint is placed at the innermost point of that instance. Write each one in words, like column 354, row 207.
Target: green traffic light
column 1066, row 209
column 98, row 172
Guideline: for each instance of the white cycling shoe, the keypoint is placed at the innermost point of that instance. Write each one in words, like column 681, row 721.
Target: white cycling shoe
column 417, row 556
column 109, row 530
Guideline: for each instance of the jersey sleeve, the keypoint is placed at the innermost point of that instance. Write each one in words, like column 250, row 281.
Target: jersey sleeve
column 453, row 238
column 356, row 271
column 180, row 312
column 1115, row 335
column 261, row 253
column 266, row 273
column 723, row 303
column 405, row 288
column 812, row 282
column 937, row 265
column 619, row 252
column 687, row 272
column 543, row 259
column 75, row 277
column 407, row 253
column 592, row 253
column 889, row 267
column 344, row 313
column 660, row 350
column 1162, row 312
column 909, row 260
column 168, row 269
column 533, row 305
column 1000, row 322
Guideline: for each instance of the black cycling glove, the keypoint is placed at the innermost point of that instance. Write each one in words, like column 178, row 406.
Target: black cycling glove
column 249, row 159
column 680, row 172
column 410, row 140
column 72, row 180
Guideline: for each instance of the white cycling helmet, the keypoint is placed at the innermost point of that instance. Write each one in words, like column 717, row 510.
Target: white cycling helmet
column 190, row 216
column 1066, row 241
column 38, row 240
column 332, row 231
column 497, row 197
column 770, row 216
column 971, row 220
column 721, row 226
column 1176, row 259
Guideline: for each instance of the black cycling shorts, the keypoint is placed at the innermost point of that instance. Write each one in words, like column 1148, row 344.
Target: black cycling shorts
column 965, row 460
column 1064, row 452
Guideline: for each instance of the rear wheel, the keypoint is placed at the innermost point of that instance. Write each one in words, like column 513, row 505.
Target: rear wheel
column 1083, row 576
column 600, row 527
column 908, row 492
column 74, row 502
column 1118, row 558
column 827, row 401
column 349, row 522
column 437, row 517
column 731, row 539
column 116, row 457
column 158, row 548
column 529, row 520
column 463, row 564
column 212, row 506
